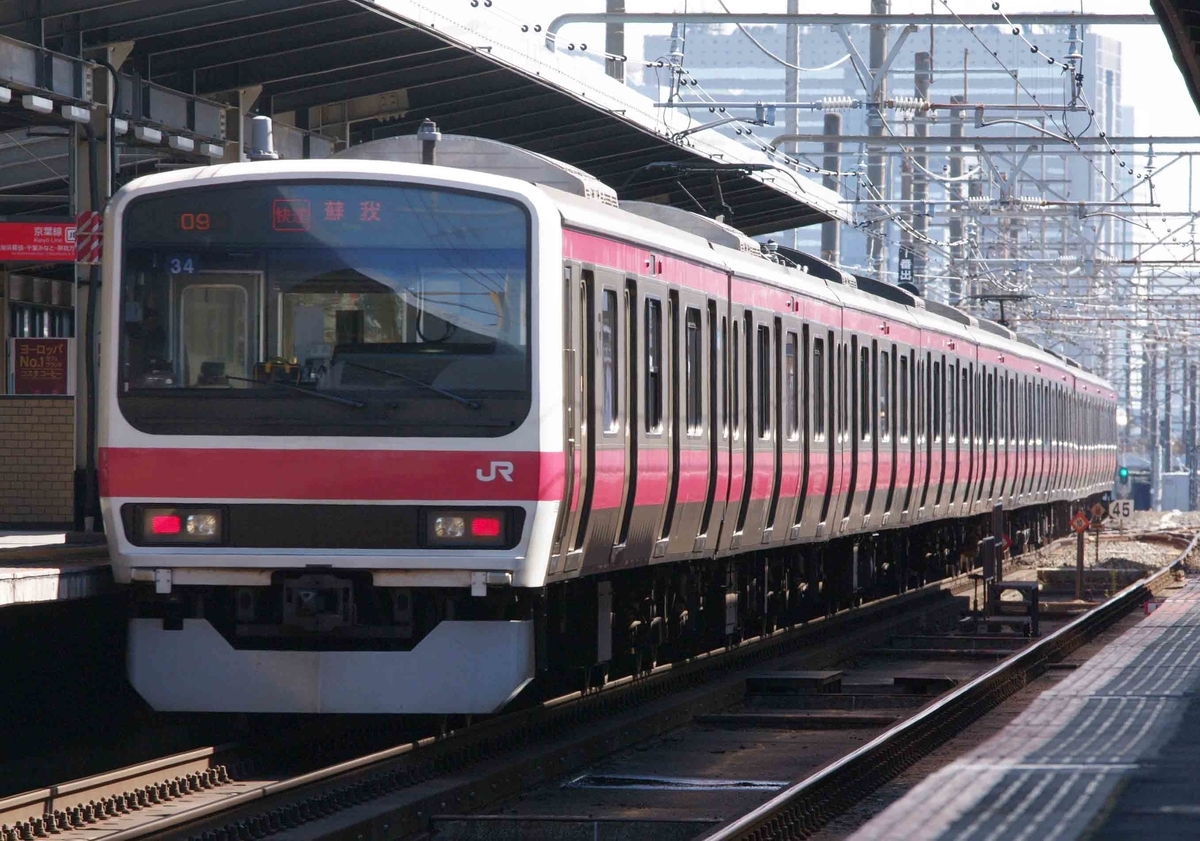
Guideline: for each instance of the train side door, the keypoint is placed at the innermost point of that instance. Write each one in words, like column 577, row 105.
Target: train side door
column 568, row 546
column 845, row 452
column 821, row 408
column 736, row 447
column 693, row 455
column 717, row 428
column 601, row 445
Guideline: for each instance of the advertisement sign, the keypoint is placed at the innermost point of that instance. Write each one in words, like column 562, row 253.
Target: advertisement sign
column 42, row 366
column 41, row 242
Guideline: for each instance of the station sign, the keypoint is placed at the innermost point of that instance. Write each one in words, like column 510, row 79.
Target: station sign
column 39, row 242
column 904, row 270
column 41, row 366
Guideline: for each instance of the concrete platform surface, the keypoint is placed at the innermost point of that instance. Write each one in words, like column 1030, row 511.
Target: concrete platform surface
column 1109, row 752
column 52, row 566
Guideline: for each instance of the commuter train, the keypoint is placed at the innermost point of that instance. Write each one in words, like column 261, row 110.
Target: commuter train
column 385, row 436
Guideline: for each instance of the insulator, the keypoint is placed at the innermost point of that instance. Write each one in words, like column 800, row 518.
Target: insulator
column 836, row 103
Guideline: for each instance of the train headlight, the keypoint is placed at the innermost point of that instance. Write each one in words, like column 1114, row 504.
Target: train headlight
column 449, row 527
column 475, row 529
column 203, row 525
column 175, row 526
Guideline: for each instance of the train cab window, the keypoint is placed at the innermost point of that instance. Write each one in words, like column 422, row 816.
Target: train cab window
column 864, row 394
column 608, row 359
column 654, row 372
column 422, row 318
column 694, row 368
column 791, row 374
column 902, row 398
column 818, row 388
column 763, row 384
column 736, row 387
column 885, row 398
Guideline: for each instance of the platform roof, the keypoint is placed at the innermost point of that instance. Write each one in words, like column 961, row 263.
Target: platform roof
column 1180, row 21
column 373, row 69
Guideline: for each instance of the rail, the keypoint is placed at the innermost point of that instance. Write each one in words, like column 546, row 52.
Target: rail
column 86, row 801
column 802, row 809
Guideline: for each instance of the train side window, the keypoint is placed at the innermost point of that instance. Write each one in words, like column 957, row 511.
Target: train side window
column 935, row 402
column 1001, row 407
column 885, row 398
column 654, row 372
column 951, row 403
column 736, row 387
column 791, row 373
column 964, row 396
column 843, row 389
column 864, row 393
column 763, row 384
column 694, row 369
column 722, row 341
column 902, row 398
column 608, row 358
column 818, row 388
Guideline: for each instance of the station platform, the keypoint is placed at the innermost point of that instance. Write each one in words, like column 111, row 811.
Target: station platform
column 1110, row 752
column 52, row 566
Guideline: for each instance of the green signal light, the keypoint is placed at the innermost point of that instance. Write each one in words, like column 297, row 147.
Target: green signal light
column 1122, row 473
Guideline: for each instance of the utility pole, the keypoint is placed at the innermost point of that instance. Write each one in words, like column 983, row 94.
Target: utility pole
column 614, row 42
column 1168, row 411
column 876, row 170
column 957, row 252
column 922, row 77
column 1155, row 450
column 831, row 231
column 675, row 60
column 791, row 89
column 1190, row 437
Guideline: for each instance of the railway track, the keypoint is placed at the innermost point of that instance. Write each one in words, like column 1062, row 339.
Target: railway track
column 805, row 807
column 395, row 792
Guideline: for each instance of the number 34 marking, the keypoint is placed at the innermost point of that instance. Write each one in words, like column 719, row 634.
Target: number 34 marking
column 181, row 265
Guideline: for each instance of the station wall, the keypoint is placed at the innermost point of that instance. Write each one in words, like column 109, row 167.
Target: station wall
column 37, row 461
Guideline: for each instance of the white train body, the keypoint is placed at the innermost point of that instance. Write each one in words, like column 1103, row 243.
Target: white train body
column 346, row 451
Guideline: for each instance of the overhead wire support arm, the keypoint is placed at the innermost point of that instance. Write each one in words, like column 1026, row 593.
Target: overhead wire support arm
column 762, row 18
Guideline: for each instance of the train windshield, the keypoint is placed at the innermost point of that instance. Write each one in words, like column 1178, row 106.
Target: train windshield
column 325, row 309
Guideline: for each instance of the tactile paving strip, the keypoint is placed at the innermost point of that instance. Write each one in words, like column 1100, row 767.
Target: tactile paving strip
column 1056, row 771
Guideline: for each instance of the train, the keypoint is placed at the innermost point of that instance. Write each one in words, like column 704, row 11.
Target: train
column 409, row 429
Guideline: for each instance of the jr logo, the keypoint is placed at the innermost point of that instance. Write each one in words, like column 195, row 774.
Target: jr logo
column 502, row 468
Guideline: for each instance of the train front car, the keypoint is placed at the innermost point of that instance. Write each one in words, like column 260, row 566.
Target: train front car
column 324, row 467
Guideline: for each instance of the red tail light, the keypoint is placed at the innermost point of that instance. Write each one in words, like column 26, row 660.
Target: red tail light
column 485, row 526
column 166, row 524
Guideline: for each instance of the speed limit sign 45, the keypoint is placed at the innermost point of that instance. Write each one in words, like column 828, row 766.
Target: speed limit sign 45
column 1119, row 509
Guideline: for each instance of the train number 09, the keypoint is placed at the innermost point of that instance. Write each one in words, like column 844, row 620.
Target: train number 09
column 194, row 222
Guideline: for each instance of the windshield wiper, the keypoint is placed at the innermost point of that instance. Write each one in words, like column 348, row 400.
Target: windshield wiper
column 470, row 404
column 345, row 401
